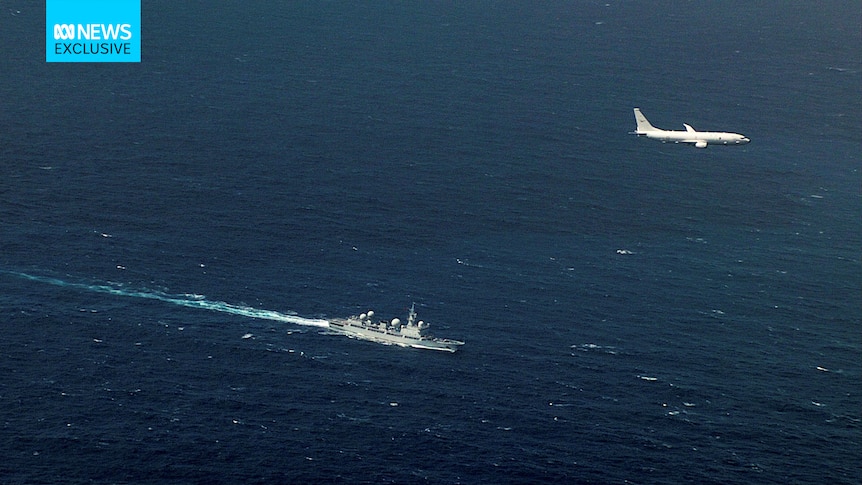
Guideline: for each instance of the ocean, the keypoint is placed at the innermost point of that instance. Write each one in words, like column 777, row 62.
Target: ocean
column 175, row 233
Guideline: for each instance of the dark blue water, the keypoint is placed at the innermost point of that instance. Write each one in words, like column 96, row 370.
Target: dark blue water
column 633, row 312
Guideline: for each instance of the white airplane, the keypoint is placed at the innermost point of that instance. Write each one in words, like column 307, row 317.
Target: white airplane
column 700, row 139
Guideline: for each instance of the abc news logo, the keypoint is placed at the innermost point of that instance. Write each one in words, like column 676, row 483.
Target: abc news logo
column 92, row 32
column 118, row 36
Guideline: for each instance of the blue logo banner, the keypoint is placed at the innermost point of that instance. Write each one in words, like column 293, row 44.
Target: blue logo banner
column 93, row 31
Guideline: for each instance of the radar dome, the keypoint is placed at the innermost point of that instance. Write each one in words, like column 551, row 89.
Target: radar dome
column 396, row 321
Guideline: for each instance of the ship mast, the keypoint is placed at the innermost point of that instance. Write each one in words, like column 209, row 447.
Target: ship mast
column 411, row 317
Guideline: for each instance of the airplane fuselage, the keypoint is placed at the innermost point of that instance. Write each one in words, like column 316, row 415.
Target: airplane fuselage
column 696, row 138
column 699, row 139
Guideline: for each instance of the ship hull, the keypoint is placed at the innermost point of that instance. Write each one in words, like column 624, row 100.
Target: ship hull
column 388, row 338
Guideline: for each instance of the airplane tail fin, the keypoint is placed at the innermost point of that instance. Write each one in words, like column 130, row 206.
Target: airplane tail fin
column 643, row 124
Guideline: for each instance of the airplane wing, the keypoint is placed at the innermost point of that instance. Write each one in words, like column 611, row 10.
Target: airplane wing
column 696, row 143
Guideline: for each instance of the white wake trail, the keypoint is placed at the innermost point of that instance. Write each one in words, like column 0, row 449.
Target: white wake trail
column 187, row 300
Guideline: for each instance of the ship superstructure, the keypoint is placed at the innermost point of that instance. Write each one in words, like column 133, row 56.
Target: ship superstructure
column 411, row 333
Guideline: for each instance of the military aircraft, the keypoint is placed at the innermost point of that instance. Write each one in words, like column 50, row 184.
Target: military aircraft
column 699, row 139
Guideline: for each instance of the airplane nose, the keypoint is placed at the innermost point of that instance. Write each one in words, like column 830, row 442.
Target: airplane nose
column 746, row 139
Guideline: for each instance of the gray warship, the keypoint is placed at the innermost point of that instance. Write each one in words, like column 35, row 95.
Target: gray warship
column 410, row 334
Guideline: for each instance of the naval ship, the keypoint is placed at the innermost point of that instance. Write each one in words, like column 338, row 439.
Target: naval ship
column 409, row 334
